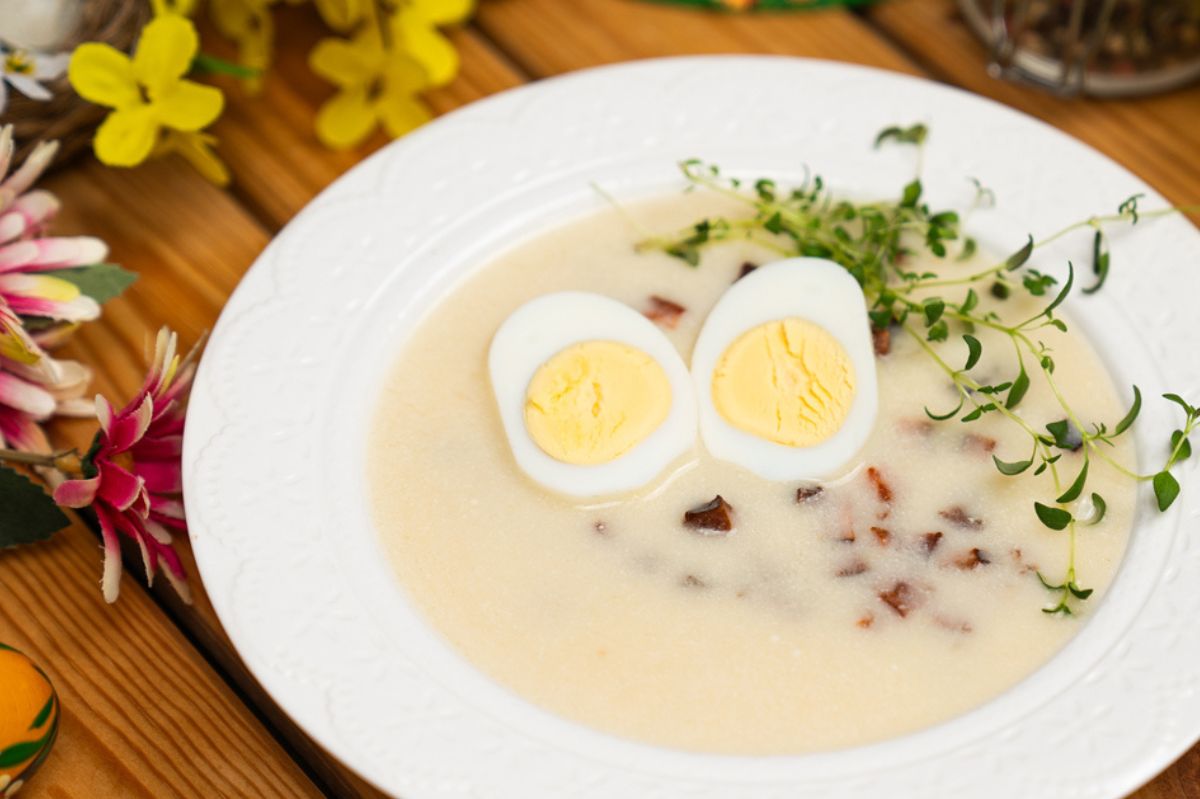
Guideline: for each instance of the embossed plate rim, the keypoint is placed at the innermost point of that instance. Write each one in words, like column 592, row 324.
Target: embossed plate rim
column 251, row 456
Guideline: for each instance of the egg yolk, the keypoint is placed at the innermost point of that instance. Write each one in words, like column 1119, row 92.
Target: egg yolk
column 594, row 401
column 788, row 381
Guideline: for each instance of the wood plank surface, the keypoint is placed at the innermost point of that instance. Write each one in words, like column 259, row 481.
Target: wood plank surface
column 267, row 139
column 189, row 256
column 547, row 37
column 143, row 714
column 1158, row 138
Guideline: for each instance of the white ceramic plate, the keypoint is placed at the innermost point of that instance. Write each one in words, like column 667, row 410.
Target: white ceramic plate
column 276, row 434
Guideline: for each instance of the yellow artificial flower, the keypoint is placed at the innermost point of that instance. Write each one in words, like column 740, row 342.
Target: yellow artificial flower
column 197, row 149
column 416, row 25
column 342, row 15
column 250, row 25
column 147, row 92
column 182, row 8
column 375, row 85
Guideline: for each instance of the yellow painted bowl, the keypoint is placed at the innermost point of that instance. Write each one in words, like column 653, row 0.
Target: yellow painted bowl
column 28, row 719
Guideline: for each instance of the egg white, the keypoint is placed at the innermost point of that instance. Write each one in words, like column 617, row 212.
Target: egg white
column 544, row 326
column 824, row 293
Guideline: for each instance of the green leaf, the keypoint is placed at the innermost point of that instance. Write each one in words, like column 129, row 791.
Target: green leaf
column 29, row 512
column 974, row 350
column 880, row 319
column 1065, row 435
column 1100, row 259
column 43, row 714
column 1101, row 508
column 999, row 291
column 1013, row 467
column 101, row 282
column 1166, row 488
column 1017, row 392
column 1048, row 586
column 1079, row 593
column 1185, row 449
column 1066, row 289
column 205, row 64
column 1054, row 518
column 934, row 309
column 1037, row 283
column 1182, row 403
column 949, row 415
column 914, row 134
column 1018, row 258
column 939, row 332
column 1129, row 207
column 968, row 249
column 1076, row 488
column 980, row 410
column 19, row 753
column 912, row 193
column 1134, row 409
column 968, row 304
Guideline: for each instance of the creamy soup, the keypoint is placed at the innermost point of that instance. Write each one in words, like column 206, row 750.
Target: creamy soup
column 904, row 593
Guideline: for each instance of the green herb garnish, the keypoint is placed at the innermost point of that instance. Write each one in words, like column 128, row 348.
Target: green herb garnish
column 873, row 240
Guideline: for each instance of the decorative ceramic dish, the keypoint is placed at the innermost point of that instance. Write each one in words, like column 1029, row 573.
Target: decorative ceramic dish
column 279, row 428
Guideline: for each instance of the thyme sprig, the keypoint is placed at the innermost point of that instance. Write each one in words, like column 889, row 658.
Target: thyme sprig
column 874, row 241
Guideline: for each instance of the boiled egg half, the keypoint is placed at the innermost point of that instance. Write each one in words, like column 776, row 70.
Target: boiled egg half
column 593, row 397
column 784, row 371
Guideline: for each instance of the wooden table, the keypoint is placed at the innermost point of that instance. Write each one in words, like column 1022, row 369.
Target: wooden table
column 156, row 702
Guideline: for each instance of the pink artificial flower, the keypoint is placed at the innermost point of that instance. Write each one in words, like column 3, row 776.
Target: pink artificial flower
column 133, row 473
column 34, row 386
column 26, row 255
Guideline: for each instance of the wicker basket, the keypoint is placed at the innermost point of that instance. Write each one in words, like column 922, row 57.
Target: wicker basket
column 65, row 116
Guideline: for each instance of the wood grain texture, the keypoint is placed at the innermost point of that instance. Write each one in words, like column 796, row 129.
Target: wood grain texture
column 143, row 714
column 268, row 141
column 1157, row 138
column 546, row 37
column 191, row 243
column 189, row 255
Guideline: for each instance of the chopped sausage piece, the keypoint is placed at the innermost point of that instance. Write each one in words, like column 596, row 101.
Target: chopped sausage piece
column 953, row 625
column 882, row 489
column 715, row 516
column 969, row 560
column 883, row 534
column 973, row 442
column 807, row 494
column 881, row 338
column 747, row 268
column 1019, row 559
column 866, row 620
column 901, row 598
column 930, row 541
column 916, row 427
column 664, row 312
column 852, row 568
column 692, row 581
column 959, row 517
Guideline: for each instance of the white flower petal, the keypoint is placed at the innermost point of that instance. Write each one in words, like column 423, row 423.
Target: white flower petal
column 29, row 87
column 48, row 66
